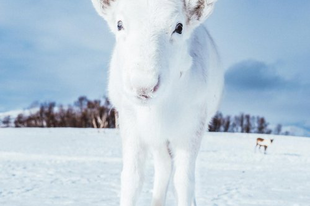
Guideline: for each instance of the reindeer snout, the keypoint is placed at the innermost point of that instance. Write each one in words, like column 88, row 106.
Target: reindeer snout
column 147, row 92
column 145, row 87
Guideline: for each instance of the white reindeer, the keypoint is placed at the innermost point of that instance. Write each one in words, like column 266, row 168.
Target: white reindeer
column 166, row 84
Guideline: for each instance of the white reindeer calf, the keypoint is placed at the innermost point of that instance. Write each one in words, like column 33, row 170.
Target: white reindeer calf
column 166, row 84
column 263, row 142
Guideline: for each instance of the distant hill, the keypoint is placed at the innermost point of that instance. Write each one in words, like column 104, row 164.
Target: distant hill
column 297, row 131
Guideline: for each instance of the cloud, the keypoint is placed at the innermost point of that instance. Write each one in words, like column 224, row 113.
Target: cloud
column 256, row 76
column 257, row 88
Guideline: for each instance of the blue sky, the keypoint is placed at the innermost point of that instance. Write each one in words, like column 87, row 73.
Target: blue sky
column 58, row 50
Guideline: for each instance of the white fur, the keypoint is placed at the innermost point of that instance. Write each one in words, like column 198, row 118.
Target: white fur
column 172, row 120
column 265, row 142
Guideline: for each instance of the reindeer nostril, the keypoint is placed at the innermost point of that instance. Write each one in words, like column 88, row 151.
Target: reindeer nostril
column 157, row 85
column 144, row 96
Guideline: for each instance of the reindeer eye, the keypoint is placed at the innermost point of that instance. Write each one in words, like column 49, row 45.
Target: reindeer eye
column 178, row 28
column 120, row 25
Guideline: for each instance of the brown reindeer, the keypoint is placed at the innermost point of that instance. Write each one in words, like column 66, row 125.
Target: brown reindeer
column 263, row 142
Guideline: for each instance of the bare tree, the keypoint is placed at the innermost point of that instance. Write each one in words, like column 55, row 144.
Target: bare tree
column 216, row 123
column 226, row 124
column 6, row 122
column 278, row 129
column 261, row 125
column 20, row 121
column 247, row 124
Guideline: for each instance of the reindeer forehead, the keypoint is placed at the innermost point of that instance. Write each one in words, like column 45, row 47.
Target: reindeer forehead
column 154, row 12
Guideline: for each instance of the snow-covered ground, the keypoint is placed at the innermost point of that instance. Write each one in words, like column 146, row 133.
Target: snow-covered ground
column 81, row 167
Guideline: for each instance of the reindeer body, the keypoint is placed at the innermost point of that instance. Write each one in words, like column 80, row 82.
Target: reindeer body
column 166, row 83
column 263, row 142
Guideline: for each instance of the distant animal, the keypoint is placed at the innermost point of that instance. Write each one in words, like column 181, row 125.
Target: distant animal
column 263, row 142
column 166, row 84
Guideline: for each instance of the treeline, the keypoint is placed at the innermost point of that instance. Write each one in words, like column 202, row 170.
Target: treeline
column 84, row 113
column 243, row 123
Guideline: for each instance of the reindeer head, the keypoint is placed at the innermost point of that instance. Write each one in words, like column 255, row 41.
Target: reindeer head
column 152, row 47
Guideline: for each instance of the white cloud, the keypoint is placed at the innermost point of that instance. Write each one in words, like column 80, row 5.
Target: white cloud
column 255, row 87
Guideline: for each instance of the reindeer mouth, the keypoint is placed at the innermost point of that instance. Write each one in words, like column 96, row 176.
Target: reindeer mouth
column 144, row 97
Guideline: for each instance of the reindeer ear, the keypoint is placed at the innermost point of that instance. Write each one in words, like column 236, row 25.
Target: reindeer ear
column 105, row 8
column 198, row 10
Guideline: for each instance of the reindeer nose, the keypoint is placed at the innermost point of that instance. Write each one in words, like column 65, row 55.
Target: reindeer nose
column 147, row 92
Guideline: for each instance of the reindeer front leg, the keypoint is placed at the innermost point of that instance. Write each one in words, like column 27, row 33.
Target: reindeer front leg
column 162, row 161
column 184, row 171
column 134, row 155
column 132, row 175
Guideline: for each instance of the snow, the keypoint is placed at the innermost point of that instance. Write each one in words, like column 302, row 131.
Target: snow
column 81, row 167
